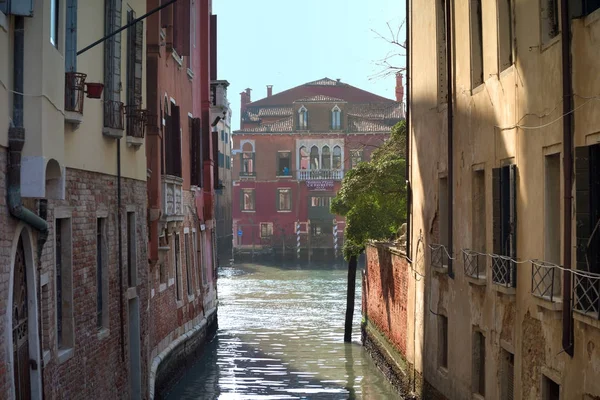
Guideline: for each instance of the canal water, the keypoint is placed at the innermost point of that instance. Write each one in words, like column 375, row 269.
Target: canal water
column 281, row 337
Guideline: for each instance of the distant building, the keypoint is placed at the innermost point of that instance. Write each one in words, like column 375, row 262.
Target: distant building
column 291, row 153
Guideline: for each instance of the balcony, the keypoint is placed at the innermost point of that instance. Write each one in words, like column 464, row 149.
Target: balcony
column 586, row 294
column 329, row 174
column 474, row 264
column 439, row 258
column 504, row 273
column 172, row 202
column 114, row 117
column 74, row 90
column 136, row 125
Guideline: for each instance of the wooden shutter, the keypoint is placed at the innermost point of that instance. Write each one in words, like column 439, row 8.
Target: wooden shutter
column 138, row 60
column 176, row 143
column 71, row 37
column 131, row 32
column 496, row 212
column 215, row 151
column 166, row 15
column 582, row 204
column 168, row 139
column 206, row 146
column 213, row 48
column 195, row 153
column 181, row 27
column 512, row 211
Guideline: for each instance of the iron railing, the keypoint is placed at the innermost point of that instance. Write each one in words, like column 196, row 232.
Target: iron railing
column 114, row 114
column 136, row 121
column 74, row 91
column 439, row 256
column 474, row 264
column 332, row 174
column 504, row 271
column 586, row 289
column 543, row 280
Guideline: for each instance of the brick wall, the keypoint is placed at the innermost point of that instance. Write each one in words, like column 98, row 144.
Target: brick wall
column 385, row 297
column 95, row 369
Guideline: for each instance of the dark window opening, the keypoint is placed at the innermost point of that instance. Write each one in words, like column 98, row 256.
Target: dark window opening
column 284, row 163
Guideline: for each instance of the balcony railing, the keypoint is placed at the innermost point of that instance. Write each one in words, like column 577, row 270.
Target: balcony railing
column 136, row 122
column 504, row 271
column 586, row 290
column 439, row 256
column 474, row 264
column 544, row 280
column 331, row 174
column 74, row 91
column 114, row 114
column 247, row 174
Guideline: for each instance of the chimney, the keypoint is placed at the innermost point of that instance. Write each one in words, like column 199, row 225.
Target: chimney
column 269, row 90
column 244, row 100
column 399, row 88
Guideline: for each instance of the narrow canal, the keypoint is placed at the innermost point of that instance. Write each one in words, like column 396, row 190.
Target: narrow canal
column 281, row 337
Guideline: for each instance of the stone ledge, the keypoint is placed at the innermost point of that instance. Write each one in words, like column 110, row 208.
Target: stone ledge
column 509, row 291
column 588, row 319
column 476, row 281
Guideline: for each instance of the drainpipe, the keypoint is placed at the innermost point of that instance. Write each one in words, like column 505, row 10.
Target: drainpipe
column 16, row 141
column 567, row 85
column 120, row 239
column 42, row 237
column 407, row 151
column 449, row 78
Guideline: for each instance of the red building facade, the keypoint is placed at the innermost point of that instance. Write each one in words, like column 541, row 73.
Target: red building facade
column 290, row 156
column 181, row 178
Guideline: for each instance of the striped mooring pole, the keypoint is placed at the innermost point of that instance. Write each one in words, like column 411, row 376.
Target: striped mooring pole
column 335, row 239
column 298, row 239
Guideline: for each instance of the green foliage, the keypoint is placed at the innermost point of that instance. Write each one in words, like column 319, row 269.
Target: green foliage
column 373, row 195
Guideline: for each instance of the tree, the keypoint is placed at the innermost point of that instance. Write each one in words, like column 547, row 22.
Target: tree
column 395, row 57
column 373, row 200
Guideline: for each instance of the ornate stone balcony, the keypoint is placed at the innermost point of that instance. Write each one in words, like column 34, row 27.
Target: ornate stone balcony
column 330, row 174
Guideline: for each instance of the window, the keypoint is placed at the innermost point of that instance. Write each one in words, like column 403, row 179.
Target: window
column 441, row 51
column 113, row 118
column 336, row 118
column 228, row 162
column 337, row 157
column 54, row 22
column 101, row 274
column 478, row 378
column 507, row 368
column 320, row 201
column 284, row 199
column 172, row 141
column 131, row 250
column 476, row 43
column 316, row 229
column 247, row 199
column 552, row 213
column 505, row 34
column 190, row 59
column 504, row 214
column 64, row 283
column 550, row 389
column 589, row 6
column 326, row 158
column 203, row 257
column 247, row 164
column 284, row 163
column 304, row 158
column 196, row 258
column 135, row 43
column 266, row 229
column 356, row 156
column 177, row 261
column 549, row 20
column 442, row 341
column 196, row 168
column 71, row 36
column 443, row 210
column 302, row 118
column 221, row 160
column 479, row 238
column 314, row 158
column 188, row 263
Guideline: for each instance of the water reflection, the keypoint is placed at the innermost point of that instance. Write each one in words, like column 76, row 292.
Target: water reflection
column 281, row 337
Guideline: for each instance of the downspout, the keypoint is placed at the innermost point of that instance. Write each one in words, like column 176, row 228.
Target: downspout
column 16, row 141
column 407, row 151
column 120, row 239
column 567, row 86
column 449, row 79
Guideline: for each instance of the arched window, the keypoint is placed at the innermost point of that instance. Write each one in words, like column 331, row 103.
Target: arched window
column 304, row 160
column 303, row 118
column 336, row 118
column 314, row 158
column 326, row 158
column 337, row 157
column 247, row 167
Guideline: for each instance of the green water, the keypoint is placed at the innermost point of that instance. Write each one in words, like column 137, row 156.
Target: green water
column 281, row 337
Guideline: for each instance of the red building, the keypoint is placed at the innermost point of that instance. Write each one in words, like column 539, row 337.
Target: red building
column 290, row 156
column 181, row 42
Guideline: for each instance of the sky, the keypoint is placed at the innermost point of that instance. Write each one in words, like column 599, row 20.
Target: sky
column 286, row 43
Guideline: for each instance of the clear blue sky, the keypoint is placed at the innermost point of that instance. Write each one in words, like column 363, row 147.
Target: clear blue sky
column 286, row 43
